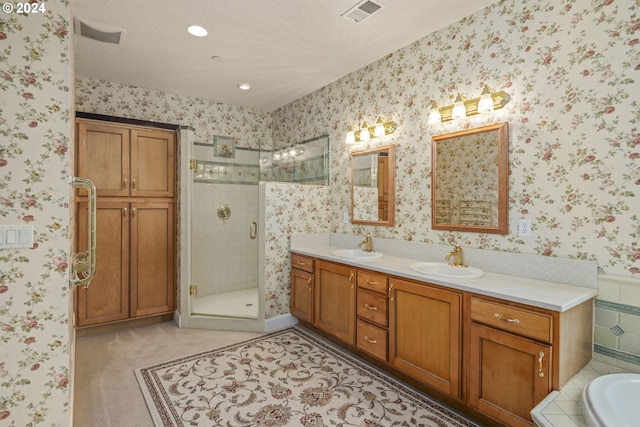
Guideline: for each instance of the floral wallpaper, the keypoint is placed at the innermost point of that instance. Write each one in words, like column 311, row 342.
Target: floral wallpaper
column 572, row 69
column 250, row 128
column 35, row 101
column 289, row 209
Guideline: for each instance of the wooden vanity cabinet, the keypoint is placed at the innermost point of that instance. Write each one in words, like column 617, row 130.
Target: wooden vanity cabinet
column 334, row 300
column 372, row 311
column 517, row 355
column 302, row 286
column 425, row 334
column 493, row 357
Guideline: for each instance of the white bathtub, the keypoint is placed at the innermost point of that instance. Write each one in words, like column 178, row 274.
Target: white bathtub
column 612, row 401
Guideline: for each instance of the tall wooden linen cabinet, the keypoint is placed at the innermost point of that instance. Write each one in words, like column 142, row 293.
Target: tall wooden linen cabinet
column 133, row 169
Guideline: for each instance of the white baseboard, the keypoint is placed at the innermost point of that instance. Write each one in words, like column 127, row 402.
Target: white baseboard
column 279, row 322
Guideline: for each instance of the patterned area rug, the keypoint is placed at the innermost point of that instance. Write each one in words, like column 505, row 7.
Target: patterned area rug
column 283, row 378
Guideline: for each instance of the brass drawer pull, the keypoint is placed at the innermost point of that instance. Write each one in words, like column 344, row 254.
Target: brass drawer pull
column 371, row 307
column 499, row 317
column 125, row 184
column 540, row 371
column 369, row 340
column 302, row 263
column 371, row 282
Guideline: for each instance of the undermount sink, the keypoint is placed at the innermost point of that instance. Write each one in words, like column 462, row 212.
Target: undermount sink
column 442, row 269
column 356, row 254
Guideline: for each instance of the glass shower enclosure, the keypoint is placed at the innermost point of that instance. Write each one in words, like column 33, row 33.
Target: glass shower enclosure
column 223, row 216
column 224, row 230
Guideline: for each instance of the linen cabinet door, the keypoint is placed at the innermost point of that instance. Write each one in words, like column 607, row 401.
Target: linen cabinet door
column 508, row 375
column 335, row 300
column 152, row 163
column 107, row 297
column 103, row 157
column 302, row 295
column 152, row 258
column 425, row 334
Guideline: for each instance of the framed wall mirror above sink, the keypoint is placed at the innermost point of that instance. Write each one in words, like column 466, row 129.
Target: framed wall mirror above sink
column 470, row 180
column 373, row 185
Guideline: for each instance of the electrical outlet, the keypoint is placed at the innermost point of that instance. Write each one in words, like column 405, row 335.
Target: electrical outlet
column 524, row 228
column 345, row 217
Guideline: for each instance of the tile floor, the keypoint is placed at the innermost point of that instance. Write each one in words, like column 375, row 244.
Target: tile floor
column 564, row 408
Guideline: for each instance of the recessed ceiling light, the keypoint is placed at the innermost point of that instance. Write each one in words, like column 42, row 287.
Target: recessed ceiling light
column 244, row 86
column 196, row 30
column 216, row 58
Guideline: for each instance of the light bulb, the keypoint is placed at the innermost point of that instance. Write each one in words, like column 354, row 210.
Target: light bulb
column 378, row 131
column 351, row 137
column 459, row 110
column 434, row 115
column 485, row 105
column 365, row 135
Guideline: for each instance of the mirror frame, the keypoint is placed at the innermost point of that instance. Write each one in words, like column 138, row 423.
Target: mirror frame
column 502, row 226
column 391, row 185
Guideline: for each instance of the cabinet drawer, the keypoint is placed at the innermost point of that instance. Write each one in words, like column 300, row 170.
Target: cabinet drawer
column 373, row 307
column 372, row 339
column 302, row 262
column 538, row 326
column 372, row 281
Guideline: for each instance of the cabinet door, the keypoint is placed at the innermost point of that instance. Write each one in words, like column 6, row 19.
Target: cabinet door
column 152, row 163
column 335, row 300
column 152, row 278
column 107, row 297
column 425, row 334
column 508, row 375
column 103, row 157
column 302, row 295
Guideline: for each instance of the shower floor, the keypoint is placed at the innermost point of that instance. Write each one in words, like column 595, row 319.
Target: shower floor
column 241, row 304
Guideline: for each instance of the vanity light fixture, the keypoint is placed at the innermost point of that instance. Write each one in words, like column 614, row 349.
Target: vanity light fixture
column 488, row 101
column 366, row 131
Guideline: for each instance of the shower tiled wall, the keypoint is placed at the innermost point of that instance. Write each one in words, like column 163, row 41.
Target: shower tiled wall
column 617, row 322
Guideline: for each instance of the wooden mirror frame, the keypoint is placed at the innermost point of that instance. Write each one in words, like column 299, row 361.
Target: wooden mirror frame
column 385, row 183
column 502, row 226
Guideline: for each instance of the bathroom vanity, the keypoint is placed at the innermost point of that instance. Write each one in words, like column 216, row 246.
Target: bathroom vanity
column 494, row 345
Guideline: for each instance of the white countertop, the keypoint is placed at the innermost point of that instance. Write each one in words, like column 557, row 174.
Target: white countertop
column 538, row 293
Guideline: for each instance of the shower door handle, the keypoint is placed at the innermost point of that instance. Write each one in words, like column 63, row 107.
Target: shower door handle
column 253, row 230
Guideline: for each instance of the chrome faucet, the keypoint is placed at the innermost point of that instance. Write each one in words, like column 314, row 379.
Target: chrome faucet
column 456, row 254
column 368, row 244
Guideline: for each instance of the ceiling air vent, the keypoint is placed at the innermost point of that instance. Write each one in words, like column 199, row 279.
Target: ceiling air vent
column 98, row 31
column 363, row 10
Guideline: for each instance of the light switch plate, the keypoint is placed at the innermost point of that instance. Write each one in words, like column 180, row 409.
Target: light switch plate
column 16, row 236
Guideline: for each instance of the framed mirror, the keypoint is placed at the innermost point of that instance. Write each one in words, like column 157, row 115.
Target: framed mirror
column 470, row 180
column 373, row 186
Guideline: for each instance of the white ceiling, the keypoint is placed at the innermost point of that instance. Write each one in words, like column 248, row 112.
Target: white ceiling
column 284, row 48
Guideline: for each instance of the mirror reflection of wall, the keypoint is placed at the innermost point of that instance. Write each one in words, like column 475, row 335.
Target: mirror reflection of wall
column 470, row 180
column 372, row 186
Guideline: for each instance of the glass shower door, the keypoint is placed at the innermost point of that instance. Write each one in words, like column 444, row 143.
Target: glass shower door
column 224, row 230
